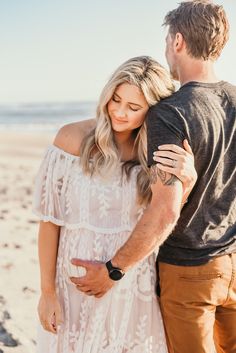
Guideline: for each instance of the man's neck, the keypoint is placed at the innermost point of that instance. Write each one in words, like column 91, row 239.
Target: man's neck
column 197, row 70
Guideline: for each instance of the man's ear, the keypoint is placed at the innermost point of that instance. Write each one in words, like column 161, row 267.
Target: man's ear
column 179, row 42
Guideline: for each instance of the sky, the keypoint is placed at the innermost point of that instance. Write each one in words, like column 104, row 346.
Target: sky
column 65, row 50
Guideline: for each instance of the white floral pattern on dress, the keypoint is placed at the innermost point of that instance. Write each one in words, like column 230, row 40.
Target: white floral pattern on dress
column 96, row 218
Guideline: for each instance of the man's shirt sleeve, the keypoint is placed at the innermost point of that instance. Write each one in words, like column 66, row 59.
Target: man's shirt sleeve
column 164, row 126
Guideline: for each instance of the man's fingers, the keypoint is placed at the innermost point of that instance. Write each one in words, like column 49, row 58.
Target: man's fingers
column 79, row 281
column 83, row 289
column 87, row 291
column 82, row 263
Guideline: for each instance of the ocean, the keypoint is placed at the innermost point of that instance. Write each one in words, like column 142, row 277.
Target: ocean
column 43, row 116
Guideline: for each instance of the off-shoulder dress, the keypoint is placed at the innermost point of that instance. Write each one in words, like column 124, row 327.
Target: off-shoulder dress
column 96, row 216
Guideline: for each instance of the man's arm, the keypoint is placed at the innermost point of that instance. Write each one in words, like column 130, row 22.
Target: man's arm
column 159, row 219
column 157, row 222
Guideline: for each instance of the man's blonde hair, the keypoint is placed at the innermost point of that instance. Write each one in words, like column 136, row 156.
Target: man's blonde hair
column 203, row 25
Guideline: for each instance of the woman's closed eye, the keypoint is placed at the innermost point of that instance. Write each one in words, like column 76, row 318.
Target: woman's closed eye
column 115, row 99
column 134, row 109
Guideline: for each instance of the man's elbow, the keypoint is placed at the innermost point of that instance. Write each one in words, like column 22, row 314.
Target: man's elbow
column 168, row 218
column 173, row 213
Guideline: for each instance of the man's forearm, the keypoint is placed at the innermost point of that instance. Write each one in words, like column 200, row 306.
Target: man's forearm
column 157, row 222
column 150, row 232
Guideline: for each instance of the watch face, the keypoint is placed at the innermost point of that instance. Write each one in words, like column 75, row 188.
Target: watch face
column 116, row 275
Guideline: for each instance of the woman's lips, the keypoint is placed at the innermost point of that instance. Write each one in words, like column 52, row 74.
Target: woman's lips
column 118, row 121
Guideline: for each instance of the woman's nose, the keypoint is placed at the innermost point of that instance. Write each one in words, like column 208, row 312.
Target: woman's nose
column 121, row 113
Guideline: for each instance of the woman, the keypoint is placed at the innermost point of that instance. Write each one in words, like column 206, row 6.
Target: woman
column 91, row 190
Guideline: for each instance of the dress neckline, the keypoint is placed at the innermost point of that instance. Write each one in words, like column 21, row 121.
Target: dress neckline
column 67, row 154
column 70, row 155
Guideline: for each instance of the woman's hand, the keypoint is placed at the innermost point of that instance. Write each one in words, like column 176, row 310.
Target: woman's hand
column 49, row 311
column 180, row 162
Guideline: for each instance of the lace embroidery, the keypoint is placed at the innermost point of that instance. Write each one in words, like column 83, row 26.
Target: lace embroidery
column 96, row 217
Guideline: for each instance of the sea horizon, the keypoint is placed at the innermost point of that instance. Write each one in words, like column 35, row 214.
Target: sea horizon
column 43, row 116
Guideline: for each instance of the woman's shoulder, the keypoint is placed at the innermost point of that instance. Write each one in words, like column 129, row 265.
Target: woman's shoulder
column 70, row 136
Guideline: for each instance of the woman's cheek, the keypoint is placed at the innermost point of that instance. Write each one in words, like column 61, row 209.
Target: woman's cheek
column 140, row 119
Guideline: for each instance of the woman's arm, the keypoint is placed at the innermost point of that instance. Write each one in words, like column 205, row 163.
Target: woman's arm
column 48, row 239
column 68, row 138
column 49, row 308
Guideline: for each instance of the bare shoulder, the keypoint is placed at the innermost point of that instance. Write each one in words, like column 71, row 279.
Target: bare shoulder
column 70, row 136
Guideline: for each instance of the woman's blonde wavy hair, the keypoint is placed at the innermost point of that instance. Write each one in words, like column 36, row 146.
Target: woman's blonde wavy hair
column 155, row 83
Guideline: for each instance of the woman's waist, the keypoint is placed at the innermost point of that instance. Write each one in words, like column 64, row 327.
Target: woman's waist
column 102, row 227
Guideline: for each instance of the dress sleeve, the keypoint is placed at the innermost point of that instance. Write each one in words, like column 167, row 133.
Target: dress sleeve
column 165, row 125
column 51, row 185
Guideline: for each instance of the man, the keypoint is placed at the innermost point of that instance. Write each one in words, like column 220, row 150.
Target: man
column 197, row 262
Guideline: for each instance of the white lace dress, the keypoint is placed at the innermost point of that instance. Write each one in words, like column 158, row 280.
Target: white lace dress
column 96, row 217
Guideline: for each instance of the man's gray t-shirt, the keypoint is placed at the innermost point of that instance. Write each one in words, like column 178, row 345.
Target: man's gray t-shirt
column 205, row 114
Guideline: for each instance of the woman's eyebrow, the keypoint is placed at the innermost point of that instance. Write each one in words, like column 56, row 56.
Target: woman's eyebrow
column 128, row 102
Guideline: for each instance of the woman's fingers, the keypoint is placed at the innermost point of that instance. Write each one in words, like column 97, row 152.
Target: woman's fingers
column 167, row 169
column 48, row 325
column 171, row 147
column 52, row 322
column 187, row 147
column 58, row 318
column 165, row 154
column 186, row 156
column 179, row 162
column 50, row 313
column 171, row 155
column 166, row 161
column 176, row 149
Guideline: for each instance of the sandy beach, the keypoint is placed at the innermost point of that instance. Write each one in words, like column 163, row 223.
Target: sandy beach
column 20, row 156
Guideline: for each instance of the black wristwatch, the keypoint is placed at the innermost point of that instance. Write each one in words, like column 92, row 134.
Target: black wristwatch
column 115, row 273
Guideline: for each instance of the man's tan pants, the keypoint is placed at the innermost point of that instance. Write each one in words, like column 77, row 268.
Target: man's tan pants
column 199, row 306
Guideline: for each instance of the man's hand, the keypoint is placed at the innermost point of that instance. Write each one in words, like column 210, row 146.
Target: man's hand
column 96, row 281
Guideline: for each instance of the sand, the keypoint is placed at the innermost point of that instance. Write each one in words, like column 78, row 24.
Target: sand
column 20, row 156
